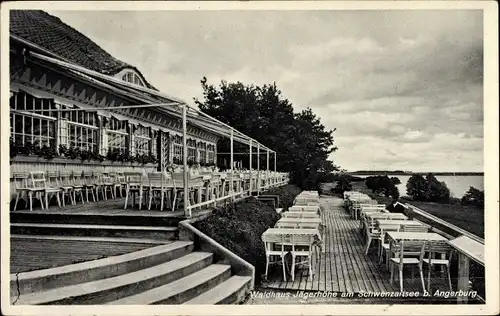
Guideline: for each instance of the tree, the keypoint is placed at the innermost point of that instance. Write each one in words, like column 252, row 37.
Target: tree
column 427, row 189
column 343, row 184
column 473, row 197
column 415, row 187
column 436, row 191
column 383, row 184
column 395, row 180
column 302, row 143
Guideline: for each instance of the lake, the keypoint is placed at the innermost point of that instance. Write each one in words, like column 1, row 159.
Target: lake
column 458, row 185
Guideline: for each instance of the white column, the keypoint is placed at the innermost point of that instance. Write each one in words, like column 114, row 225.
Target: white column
column 250, row 168
column 267, row 166
column 275, row 179
column 231, row 185
column 184, row 158
column 258, row 169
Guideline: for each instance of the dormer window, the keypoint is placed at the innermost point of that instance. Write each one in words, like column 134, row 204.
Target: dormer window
column 132, row 77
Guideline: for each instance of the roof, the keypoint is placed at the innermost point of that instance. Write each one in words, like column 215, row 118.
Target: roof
column 50, row 33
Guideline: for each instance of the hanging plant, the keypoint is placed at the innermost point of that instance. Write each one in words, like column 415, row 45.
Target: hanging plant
column 13, row 148
column 47, row 152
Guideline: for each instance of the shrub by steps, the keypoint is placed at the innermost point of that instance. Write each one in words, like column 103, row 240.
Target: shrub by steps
column 239, row 226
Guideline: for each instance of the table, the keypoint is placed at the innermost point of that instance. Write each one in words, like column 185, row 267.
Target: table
column 384, row 215
column 415, row 236
column 300, row 215
column 296, row 231
column 300, row 220
column 304, row 208
column 467, row 249
column 384, row 223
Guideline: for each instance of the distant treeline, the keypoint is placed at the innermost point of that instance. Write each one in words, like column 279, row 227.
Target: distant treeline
column 399, row 172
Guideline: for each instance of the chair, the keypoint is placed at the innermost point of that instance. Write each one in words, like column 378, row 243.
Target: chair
column 372, row 233
column 106, row 183
column 62, row 180
column 39, row 187
column 302, row 246
column 275, row 247
column 214, row 186
column 78, row 184
column 134, row 185
column 405, row 255
column 118, row 181
column 157, row 184
column 384, row 246
column 89, row 184
column 21, row 186
column 433, row 248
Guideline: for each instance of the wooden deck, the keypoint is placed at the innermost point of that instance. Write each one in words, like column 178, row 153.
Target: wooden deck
column 43, row 252
column 104, row 207
column 344, row 267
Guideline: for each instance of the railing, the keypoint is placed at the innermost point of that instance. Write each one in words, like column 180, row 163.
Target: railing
column 271, row 182
column 470, row 249
column 467, row 268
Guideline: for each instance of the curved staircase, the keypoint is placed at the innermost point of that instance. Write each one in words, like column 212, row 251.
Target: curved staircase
column 168, row 271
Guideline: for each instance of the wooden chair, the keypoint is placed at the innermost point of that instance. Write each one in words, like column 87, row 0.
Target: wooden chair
column 371, row 233
column 157, row 184
column 20, row 180
column 384, row 245
column 63, row 181
column 134, row 186
column 106, row 183
column 302, row 247
column 40, row 187
column 78, row 184
column 118, row 180
column 432, row 248
column 89, row 184
column 406, row 253
column 275, row 247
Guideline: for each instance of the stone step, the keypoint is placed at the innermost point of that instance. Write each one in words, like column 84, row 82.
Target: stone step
column 123, row 218
column 108, row 240
column 46, row 279
column 181, row 290
column 121, row 286
column 229, row 292
column 148, row 232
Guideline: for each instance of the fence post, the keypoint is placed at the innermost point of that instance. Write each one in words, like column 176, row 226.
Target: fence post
column 463, row 276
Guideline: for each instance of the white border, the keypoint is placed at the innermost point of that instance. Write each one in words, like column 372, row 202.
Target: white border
column 491, row 161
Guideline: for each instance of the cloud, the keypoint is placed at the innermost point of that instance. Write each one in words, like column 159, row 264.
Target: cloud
column 403, row 88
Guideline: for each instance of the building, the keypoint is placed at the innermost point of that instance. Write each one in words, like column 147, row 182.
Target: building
column 75, row 108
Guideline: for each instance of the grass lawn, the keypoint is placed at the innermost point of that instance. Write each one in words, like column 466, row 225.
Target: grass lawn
column 466, row 217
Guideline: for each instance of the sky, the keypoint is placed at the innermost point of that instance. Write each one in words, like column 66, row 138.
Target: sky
column 404, row 89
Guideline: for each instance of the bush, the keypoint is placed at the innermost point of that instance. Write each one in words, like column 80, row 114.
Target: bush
column 383, row 184
column 415, row 187
column 343, row 184
column 239, row 227
column 473, row 197
column 428, row 189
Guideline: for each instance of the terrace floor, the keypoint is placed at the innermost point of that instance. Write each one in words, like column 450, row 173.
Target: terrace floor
column 103, row 207
column 344, row 267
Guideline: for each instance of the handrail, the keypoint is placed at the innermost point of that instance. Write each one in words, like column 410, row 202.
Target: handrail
column 208, row 244
column 444, row 223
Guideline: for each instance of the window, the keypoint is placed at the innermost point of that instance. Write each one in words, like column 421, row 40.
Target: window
column 177, row 148
column 132, row 78
column 37, row 128
column 202, row 152
column 79, row 130
column 211, row 153
column 142, row 140
column 191, row 150
column 117, row 135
